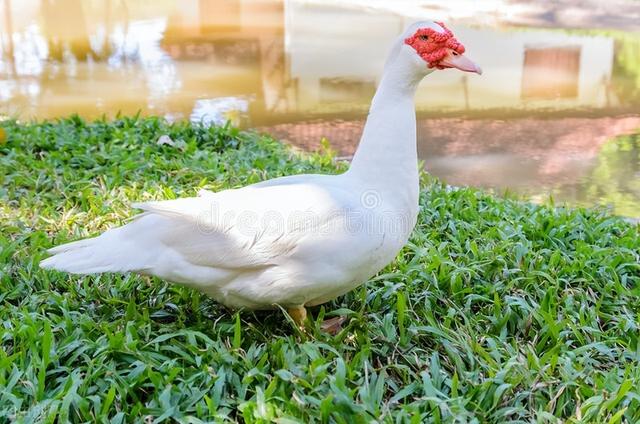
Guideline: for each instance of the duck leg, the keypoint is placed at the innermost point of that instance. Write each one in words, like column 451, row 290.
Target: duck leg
column 298, row 314
column 331, row 326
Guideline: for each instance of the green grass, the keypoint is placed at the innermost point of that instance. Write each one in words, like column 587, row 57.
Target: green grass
column 496, row 311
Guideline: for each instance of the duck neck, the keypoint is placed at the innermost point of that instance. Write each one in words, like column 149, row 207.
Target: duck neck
column 387, row 149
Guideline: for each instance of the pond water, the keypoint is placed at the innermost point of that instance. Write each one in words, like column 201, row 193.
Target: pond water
column 556, row 112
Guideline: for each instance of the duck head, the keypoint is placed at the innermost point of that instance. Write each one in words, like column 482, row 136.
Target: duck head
column 432, row 46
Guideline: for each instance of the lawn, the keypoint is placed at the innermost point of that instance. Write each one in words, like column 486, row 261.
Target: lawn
column 496, row 311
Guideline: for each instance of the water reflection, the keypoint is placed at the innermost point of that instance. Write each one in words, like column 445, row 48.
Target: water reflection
column 614, row 179
column 307, row 70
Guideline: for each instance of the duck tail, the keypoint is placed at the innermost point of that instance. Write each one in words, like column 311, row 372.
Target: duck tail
column 112, row 251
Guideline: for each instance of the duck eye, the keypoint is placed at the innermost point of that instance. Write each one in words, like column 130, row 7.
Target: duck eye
column 423, row 38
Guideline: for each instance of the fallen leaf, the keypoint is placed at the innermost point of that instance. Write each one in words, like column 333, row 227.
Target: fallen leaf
column 165, row 139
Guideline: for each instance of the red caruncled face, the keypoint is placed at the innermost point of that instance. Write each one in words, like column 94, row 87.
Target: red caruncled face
column 433, row 46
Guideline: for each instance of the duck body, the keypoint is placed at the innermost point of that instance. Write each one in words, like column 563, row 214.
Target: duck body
column 294, row 241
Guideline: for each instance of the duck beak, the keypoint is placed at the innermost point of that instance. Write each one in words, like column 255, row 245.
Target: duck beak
column 461, row 62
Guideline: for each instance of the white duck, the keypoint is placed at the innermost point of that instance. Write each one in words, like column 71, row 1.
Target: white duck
column 294, row 241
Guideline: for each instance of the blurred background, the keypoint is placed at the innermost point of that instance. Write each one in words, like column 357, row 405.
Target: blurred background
column 556, row 112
